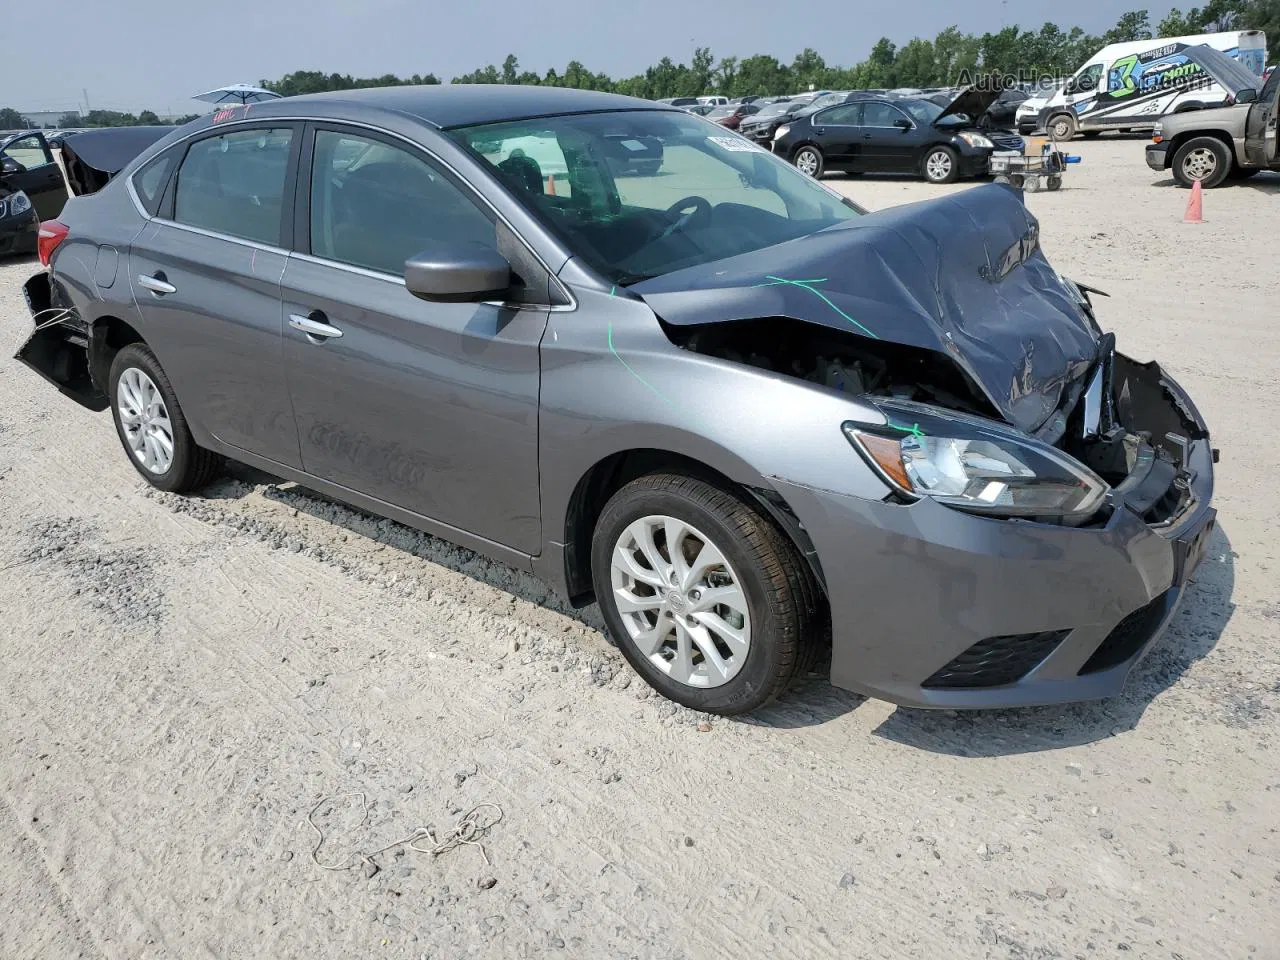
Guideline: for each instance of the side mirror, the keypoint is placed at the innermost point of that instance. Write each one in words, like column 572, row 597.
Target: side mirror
column 1070, row 87
column 10, row 166
column 1248, row 95
column 457, row 273
column 902, row 123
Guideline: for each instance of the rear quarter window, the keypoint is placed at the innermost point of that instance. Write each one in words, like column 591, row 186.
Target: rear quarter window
column 150, row 181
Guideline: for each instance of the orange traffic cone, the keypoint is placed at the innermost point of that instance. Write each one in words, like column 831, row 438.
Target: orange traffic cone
column 1195, row 206
column 551, row 184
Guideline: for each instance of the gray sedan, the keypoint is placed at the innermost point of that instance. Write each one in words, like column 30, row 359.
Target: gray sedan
column 749, row 419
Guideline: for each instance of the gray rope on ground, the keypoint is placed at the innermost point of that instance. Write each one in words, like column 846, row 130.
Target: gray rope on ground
column 469, row 830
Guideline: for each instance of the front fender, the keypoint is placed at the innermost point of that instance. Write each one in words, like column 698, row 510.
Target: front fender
column 612, row 382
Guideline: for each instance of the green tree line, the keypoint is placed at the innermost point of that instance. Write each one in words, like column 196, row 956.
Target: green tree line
column 952, row 54
column 1050, row 50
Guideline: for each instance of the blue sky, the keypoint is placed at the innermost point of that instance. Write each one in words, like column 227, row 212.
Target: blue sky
column 135, row 54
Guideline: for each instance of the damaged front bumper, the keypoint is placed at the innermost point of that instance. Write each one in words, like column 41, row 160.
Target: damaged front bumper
column 934, row 607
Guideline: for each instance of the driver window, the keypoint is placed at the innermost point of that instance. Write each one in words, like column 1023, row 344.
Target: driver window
column 1088, row 78
column 374, row 205
column 29, row 151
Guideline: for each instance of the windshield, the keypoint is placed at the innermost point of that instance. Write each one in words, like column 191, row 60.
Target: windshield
column 827, row 100
column 642, row 193
column 773, row 110
column 922, row 111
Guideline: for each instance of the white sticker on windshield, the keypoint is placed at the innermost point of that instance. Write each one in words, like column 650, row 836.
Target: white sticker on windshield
column 632, row 145
column 734, row 144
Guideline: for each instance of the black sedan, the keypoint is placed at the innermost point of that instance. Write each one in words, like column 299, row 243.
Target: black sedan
column 1002, row 114
column 908, row 135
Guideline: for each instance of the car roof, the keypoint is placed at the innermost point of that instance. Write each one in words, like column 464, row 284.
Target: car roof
column 461, row 104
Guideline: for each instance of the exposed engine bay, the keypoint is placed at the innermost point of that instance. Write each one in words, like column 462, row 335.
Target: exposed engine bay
column 1121, row 419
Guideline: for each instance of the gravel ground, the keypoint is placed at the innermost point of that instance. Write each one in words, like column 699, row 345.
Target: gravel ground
column 183, row 680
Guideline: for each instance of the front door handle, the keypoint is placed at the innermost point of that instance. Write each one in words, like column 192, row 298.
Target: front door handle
column 819, row 130
column 157, row 284
column 314, row 327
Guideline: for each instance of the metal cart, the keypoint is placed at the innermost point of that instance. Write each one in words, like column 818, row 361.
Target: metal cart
column 1031, row 173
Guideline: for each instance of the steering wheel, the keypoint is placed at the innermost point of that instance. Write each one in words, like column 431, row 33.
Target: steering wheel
column 698, row 208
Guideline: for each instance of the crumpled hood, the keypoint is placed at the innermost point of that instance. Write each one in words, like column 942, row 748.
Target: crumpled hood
column 962, row 275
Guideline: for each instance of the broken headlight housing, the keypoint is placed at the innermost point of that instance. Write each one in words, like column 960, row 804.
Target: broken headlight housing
column 975, row 465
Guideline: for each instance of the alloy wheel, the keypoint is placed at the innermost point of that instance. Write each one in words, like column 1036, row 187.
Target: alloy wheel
column 681, row 602
column 807, row 162
column 938, row 166
column 145, row 421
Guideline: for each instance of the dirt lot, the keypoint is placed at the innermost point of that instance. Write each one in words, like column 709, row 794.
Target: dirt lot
column 184, row 679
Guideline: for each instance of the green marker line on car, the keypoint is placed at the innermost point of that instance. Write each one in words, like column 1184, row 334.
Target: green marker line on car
column 808, row 285
column 656, row 392
column 914, row 430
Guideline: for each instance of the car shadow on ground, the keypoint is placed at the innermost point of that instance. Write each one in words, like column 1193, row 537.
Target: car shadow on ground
column 811, row 700
column 242, row 479
column 1196, row 628
column 1265, row 182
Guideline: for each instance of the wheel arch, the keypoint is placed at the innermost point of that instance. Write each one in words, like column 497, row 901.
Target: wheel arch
column 109, row 335
column 1180, row 139
column 611, row 473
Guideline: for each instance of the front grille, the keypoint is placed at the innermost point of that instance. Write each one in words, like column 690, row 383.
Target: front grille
column 1006, row 141
column 997, row 661
column 1129, row 636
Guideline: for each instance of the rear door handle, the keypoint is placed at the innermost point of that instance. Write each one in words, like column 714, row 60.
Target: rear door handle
column 157, row 284
column 314, row 326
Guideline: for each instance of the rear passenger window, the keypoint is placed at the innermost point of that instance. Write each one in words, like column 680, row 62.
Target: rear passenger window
column 234, row 184
column 846, row 115
column 150, row 181
column 375, row 206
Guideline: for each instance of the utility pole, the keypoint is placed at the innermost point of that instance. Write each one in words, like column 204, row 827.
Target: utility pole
column 85, row 91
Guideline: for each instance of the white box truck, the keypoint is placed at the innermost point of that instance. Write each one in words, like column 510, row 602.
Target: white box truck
column 1129, row 86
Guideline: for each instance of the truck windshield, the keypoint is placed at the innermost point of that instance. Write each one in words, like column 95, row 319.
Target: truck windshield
column 591, row 180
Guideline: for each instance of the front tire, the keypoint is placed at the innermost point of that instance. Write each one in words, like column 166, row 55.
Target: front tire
column 941, row 165
column 151, row 425
column 707, row 599
column 1062, row 126
column 809, row 161
column 1204, row 159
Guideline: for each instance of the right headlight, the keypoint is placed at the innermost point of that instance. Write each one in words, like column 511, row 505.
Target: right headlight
column 975, row 465
column 782, row 131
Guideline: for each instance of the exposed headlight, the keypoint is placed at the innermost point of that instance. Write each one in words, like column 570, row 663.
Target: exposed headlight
column 976, row 140
column 975, row 465
column 782, row 131
column 15, row 204
column 1157, row 132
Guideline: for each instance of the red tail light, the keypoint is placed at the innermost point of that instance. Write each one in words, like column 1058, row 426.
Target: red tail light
column 52, row 233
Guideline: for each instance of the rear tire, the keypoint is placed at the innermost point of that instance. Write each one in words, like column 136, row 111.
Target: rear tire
column 809, row 160
column 775, row 605
column 151, row 425
column 1204, row 159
